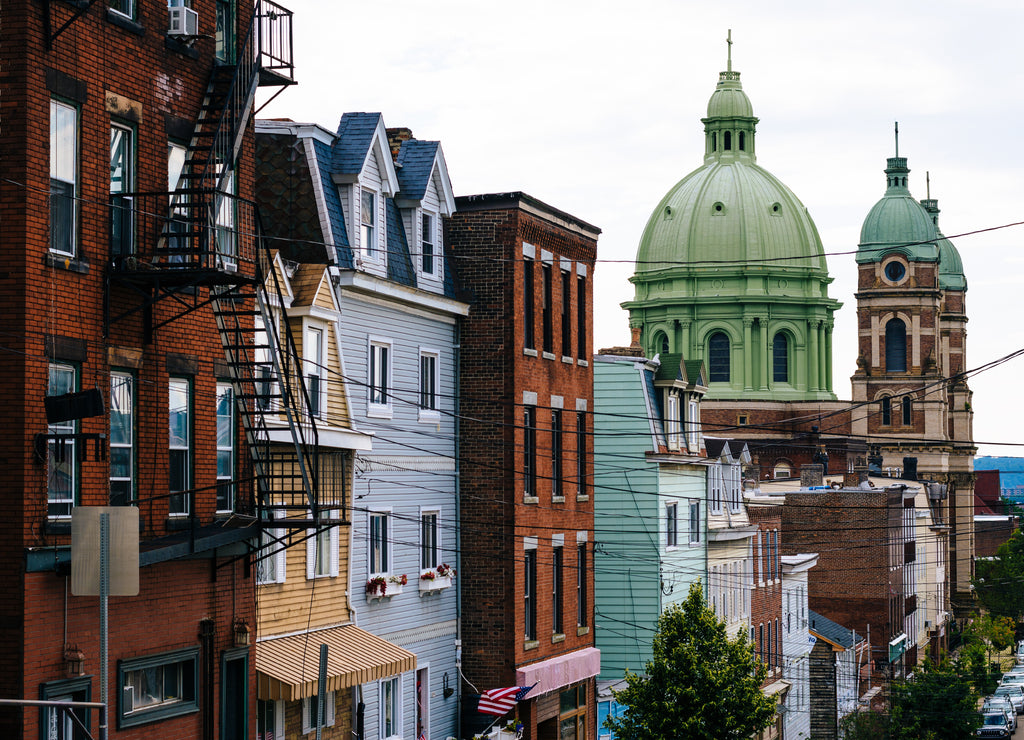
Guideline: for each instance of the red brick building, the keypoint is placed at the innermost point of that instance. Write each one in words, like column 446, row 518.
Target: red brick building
column 109, row 285
column 525, row 459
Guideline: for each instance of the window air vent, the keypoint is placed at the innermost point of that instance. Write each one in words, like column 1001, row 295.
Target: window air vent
column 183, row 22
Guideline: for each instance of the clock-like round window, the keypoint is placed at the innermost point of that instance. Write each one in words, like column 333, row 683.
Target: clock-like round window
column 895, row 271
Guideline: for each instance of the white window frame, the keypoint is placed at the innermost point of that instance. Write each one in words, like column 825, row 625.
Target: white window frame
column 53, row 497
column 673, row 422
column 64, row 169
column 309, row 721
column 122, row 390
column 369, row 226
column 423, row 697
column 318, row 566
column 733, row 485
column 437, row 549
column 385, row 561
column 715, row 486
column 693, row 424
column 278, row 728
column 272, row 568
column 395, row 685
column 694, row 523
column 226, row 445
column 429, row 243
column 430, row 413
column 671, row 524
column 126, row 8
column 378, row 377
column 313, row 338
column 181, row 386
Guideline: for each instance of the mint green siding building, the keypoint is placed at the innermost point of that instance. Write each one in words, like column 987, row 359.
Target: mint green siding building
column 650, row 500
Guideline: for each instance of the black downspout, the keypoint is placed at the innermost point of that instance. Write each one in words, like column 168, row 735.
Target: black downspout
column 207, row 629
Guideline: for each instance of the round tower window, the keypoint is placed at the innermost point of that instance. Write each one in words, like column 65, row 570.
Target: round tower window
column 895, row 271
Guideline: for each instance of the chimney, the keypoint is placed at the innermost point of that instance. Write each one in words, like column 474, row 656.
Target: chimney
column 395, row 138
column 635, row 337
column 810, row 475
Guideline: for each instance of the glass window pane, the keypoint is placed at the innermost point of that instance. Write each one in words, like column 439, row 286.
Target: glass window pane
column 63, row 142
column 120, row 159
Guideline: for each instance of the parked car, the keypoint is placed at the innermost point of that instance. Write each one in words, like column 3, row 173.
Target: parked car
column 994, row 724
column 1013, row 692
column 1001, row 704
column 1013, row 678
column 1020, row 653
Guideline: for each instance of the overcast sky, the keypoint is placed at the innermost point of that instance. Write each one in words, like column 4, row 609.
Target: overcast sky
column 594, row 107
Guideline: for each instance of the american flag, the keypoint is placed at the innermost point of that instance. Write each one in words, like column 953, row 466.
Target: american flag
column 500, row 701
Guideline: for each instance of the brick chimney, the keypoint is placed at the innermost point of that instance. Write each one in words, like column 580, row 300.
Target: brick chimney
column 395, row 138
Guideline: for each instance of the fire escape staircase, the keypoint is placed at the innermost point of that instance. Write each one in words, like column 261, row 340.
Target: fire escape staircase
column 201, row 245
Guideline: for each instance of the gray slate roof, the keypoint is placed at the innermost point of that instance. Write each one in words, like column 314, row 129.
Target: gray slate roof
column 415, row 162
column 826, row 628
column 335, row 213
column 355, row 134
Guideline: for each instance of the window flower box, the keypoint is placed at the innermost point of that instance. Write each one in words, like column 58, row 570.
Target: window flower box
column 437, row 579
column 384, row 587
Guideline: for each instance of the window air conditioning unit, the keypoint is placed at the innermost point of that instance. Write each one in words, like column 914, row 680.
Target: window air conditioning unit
column 183, row 22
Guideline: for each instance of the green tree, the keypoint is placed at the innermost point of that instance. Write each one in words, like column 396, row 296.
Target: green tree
column 999, row 581
column 937, row 703
column 701, row 684
column 864, row 724
column 979, row 670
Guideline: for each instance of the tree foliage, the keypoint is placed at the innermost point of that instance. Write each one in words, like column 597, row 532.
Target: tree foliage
column 700, row 683
column 864, row 725
column 936, row 703
column 1000, row 581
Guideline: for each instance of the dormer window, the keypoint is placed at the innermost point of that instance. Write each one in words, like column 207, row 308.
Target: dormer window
column 368, row 223
column 427, row 246
column 673, row 421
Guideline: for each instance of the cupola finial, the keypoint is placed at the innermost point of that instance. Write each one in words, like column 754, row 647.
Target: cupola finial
column 728, row 41
column 897, row 138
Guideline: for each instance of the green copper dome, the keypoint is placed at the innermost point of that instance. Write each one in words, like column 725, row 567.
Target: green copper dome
column 730, row 269
column 897, row 222
column 951, row 267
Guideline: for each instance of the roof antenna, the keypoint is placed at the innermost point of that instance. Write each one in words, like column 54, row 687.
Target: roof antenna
column 728, row 40
column 897, row 138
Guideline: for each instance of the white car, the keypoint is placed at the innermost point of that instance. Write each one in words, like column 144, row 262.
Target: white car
column 1020, row 653
column 1013, row 678
column 1013, row 692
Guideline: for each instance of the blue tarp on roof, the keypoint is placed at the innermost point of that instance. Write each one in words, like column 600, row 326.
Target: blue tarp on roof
column 355, row 134
column 335, row 213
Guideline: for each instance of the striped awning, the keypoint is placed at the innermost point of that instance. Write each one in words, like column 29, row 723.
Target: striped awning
column 286, row 667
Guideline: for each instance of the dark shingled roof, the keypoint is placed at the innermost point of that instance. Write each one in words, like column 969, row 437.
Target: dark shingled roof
column 335, row 213
column 829, row 630
column 399, row 262
column 415, row 163
column 355, row 133
column 671, row 367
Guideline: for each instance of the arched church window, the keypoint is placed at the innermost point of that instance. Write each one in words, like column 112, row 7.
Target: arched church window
column 727, row 139
column 743, row 142
column 886, row 411
column 661, row 343
column 780, row 358
column 718, row 358
column 907, row 411
column 895, row 346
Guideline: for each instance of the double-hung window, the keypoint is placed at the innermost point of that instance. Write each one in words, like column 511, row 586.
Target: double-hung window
column 227, row 237
column 179, row 396
column 368, row 223
column 390, row 701
column 313, row 359
column 547, row 309
column 62, row 455
column 428, row 384
column 122, row 162
column 225, row 447
column 429, row 542
column 427, row 244
column 695, row 530
column 581, row 316
column 581, row 584
column 529, row 338
column 530, row 594
column 272, row 556
column 581, row 453
column 567, row 314
column 379, row 380
column 379, row 544
column 672, row 524
column 672, row 421
column 310, row 709
column 322, row 552
column 530, row 450
column 556, row 454
column 63, row 178
column 122, row 438
column 557, row 585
